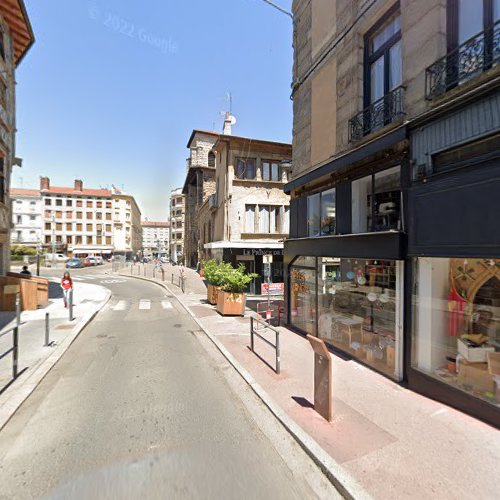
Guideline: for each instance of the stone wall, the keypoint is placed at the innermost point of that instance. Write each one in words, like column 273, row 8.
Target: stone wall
column 329, row 66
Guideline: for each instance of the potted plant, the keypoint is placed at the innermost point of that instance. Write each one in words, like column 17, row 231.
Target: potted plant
column 231, row 297
column 213, row 272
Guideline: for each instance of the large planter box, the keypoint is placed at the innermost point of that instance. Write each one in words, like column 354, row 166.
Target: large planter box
column 231, row 304
column 212, row 293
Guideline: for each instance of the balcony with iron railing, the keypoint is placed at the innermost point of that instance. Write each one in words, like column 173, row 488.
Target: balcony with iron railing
column 382, row 112
column 468, row 60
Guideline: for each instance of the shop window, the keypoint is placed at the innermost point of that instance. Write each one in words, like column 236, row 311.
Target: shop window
column 245, row 169
column 313, row 214
column 328, row 212
column 359, row 310
column 303, row 294
column 271, row 171
column 456, row 323
column 376, row 202
column 249, row 218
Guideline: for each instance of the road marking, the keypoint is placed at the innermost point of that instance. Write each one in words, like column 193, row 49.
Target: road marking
column 120, row 306
column 109, row 282
column 166, row 304
column 144, row 304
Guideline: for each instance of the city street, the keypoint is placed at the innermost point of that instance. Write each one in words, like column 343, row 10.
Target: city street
column 137, row 408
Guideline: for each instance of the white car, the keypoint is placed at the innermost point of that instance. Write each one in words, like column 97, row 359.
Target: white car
column 164, row 260
column 56, row 257
column 99, row 260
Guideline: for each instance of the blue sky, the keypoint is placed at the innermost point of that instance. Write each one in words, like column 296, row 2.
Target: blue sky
column 112, row 89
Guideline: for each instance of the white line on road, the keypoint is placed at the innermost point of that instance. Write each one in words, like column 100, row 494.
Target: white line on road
column 166, row 304
column 144, row 304
column 120, row 306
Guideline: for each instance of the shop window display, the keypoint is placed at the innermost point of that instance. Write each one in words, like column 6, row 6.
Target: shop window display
column 456, row 323
column 359, row 310
column 303, row 294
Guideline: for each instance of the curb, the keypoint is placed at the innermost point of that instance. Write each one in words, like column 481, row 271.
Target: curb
column 29, row 384
column 345, row 484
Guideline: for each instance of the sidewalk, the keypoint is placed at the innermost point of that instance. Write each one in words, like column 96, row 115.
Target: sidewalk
column 35, row 359
column 393, row 442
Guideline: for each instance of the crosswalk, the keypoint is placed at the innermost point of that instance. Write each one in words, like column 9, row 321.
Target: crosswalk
column 92, row 277
column 141, row 305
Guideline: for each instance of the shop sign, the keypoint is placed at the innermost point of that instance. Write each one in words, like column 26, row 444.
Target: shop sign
column 255, row 251
column 267, row 259
column 274, row 288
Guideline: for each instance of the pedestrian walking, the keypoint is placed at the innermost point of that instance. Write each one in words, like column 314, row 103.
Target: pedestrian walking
column 26, row 271
column 67, row 288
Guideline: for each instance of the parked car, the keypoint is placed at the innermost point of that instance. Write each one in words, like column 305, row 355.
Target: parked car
column 56, row 257
column 164, row 260
column 99, row 260
column 74, row 263
column 90, row 261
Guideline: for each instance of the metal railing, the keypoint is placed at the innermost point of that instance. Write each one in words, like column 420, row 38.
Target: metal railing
column 379, row 114
column 472, row 57
column 254, row 331
column 14, row 349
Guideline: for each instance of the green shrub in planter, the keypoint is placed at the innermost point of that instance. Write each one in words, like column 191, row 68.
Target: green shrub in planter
column 236, row 280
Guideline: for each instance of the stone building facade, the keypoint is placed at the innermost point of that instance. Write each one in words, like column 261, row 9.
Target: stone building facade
column 249, row 210
column 198, row 186
column 16, row 37
column 394, row 251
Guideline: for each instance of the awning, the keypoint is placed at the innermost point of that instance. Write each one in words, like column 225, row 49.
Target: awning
column 244, row 244
column 356, row 155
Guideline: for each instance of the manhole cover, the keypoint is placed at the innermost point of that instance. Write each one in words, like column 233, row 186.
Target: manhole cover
column 64, row 327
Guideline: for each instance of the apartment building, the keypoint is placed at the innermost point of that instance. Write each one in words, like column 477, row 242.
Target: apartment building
column 16, row 38
column 249, row 210
column 177, row 212
column 26, row 217
column 393, row 255
column 80, row 221
column 127, row 228
column 155, row 238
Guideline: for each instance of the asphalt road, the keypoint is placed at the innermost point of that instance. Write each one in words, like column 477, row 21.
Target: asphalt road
column 137, row 408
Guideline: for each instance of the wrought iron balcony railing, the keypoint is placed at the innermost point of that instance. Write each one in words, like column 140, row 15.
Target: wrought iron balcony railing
column 382, row 112
column 474, row 56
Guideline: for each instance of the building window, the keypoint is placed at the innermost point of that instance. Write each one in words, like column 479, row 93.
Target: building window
column 245, row 169
column 108, row 227
column 99, row 204
column 19, row 219
column 90, row 215
column 32, row 217
column 58, row 226
column 59, row 202
column 47, row 239
column 69, row 226
column 2, row 44
column 249, row 218
column 211, row 159
column 108, row 240
column 271, row 171
column 69, row 240
column 79, row 203
column 108, row 204
column 89, row 227
column 47, row 226
column 59, row 214
column 69, row 215
column 456, row 323
column 98, row 215
column 89, row 240
column 78, row 240
column 269, row 219
column 328, row 212
column 108, row 216
column 79, row 215
column 48, row 201
column 376, row 202
column 286, row 221
column 79, row 227
column 88, row 204
column 384, row 69
column 69, row 203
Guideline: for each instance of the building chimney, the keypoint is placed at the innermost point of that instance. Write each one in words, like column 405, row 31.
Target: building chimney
column 227, row 124
column 44, row 183
column 78, row 185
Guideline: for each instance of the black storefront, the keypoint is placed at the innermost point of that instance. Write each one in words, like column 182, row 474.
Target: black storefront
column 409, row 294
column 252, row 259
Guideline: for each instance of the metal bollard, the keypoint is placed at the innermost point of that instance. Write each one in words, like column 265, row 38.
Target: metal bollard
column 18, row 309
column 47, row 329
column 15, row 342
column 131, row 269
column 162, row 274
column 144, row 269
column 172, row 278
column 70, row 306
column 153, row 272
